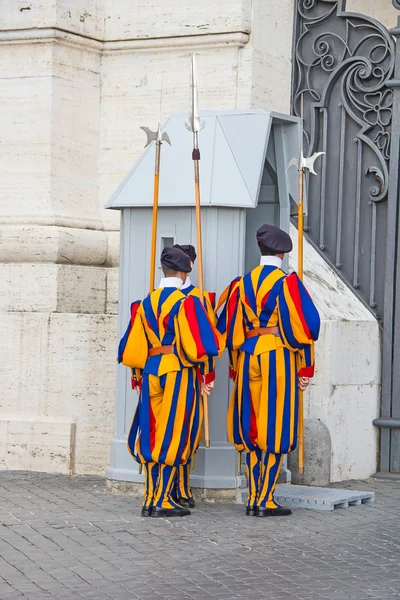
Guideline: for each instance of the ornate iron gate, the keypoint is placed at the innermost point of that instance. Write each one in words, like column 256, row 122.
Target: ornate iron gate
column 344, row 69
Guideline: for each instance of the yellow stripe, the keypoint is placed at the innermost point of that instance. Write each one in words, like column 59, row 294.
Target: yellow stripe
column 272, row 490
column 153, row 339
column 254, row 483
column 297, row 327
column 266, row 471
column 240, row 397
column 186, row 338
column 166, row 308
column 280, row 397
column 199, row 435
column 262, row 424
column 292, row 395
column 179, row 418
column 162, row 421
column 251, row 315
column 267, row 285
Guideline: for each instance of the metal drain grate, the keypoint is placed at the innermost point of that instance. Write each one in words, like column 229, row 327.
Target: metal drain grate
column 319, row 498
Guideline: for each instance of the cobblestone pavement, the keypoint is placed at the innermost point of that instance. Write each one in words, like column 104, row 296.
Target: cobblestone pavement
column 70, row 539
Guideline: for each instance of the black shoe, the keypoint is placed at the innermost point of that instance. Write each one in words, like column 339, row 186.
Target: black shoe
column 273, row 512
column 146, row 511
column 251, row 511
column 169, row 512
column 187, row 502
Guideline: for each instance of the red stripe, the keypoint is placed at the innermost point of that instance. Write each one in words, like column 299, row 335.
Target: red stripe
column 253, row 432
column 306, row 372
column 293, row 287
column 165, row 322
column 232, row 303
column 210, row 377
column 264, row 300
column 134, row 309
column 190, row 312
column 212, row 296
column 152, row 429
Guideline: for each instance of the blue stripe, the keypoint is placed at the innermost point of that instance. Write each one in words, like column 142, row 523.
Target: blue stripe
column 187, row 290
column 286, row 324
column 171, row 419
column 249, row 291
column 308, row 356
column 122, row 344
column 229, row 341
column 164, row 295
column 296, row 412
column 134, row 431
column 193, row 398
column 271, row 401
column 236, row 432
column 270, row 304
column 264, row 273
column 246, row 403
column 144, row 419
column 285, row 439
column 150, row 316
column 310, row 312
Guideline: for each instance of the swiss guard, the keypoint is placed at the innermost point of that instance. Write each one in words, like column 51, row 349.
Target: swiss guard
column 168, row 344
column 270, row 324
column 182, row 490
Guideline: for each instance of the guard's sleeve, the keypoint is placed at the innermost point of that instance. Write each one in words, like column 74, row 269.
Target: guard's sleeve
column 306, row 361
column 136, row 378
column 124, row 339
column 135, row 350
column 230, row 323
column 299, row 322
column 197, row 338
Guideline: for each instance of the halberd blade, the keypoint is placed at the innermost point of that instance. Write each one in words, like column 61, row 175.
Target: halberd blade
column 195, row 124
column 151, row 135
column 305, row 163
column 156, row 136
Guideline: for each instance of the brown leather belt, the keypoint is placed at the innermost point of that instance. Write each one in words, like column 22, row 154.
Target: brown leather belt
column 262, row 331
column 161, row 350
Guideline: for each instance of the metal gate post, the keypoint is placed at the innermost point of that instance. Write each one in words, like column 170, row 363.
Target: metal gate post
column 389, row 422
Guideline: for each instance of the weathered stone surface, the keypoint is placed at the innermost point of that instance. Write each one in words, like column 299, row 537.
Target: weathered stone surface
column 345, row 392
column 317, row 455
column 59, row 368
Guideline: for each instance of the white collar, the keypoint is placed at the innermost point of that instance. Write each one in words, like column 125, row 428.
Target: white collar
column 171, row 282
column 271, row 261
column 187, row 283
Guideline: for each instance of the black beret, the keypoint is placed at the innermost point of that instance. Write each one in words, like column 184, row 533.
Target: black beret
column 189, row 250
column 274, row 240
column 176, row 259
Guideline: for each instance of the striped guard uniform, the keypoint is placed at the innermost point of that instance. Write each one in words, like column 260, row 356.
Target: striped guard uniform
column 263, row 410
column 182, row 481
column 165, row 426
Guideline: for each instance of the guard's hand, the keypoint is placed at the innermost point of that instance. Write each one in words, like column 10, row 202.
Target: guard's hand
column 206, row 389
column 304, row 382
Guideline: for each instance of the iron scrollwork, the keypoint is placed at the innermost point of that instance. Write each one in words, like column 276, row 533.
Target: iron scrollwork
column 343, row 63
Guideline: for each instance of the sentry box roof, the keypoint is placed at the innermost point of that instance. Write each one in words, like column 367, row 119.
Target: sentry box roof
column 234, row 147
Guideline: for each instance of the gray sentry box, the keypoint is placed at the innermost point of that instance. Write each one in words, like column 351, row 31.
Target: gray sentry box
column 244, row 183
